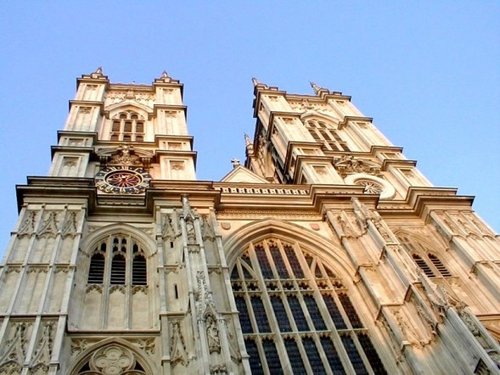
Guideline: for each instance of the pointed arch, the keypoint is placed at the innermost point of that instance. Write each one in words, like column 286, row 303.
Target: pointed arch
column 311, row 114
column 296, row 302
column 318, row 245
column 85, row 356
column 94, row 238
column 128, row 104
column 423, row 253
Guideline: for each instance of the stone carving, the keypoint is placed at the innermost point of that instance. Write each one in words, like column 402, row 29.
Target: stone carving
column 125, row 156
column 487, row 343
column 69, row 227
column 28, row 225
column 49, row 226
column 117, row 288
column 345, row 225
column 140, row 289
column 178, row 353
column 235, row 356
column 13, row 350
column 482, row 228
column 94, row 287
column 41, row 357
column 347, row 165
column 466, row 226
column 169, row 230
column 113, row 359
column 440, row 298
column 427, row 318
column 147, row 345
column 363, row 214
column 407, row 330
column 190, row 232
column 218, row 369
column 78, row 346
column 212, row 334
column 145, row 98
column 202, row 290
column 207, row 230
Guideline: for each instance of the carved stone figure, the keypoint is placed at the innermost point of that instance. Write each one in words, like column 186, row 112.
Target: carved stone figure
column 207, row 230
column 347, row 165
column 212, row 334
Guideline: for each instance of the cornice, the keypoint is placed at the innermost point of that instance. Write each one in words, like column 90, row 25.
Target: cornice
column 91, row 103
column 179, row 107
column 79, row 149
column 386, row 163
column 76, row 133
column 57, row 187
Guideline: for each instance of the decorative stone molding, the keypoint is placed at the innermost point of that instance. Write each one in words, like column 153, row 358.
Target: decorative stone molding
column 178, row 353
column 43, row 350
column 28, row 225
column 207, row 230
column 49, row 226
column 372, row 184
column 348, row 164
column 69, row 227
column 13, row 349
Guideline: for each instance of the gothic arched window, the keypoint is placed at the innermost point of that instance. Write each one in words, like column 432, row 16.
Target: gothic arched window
column 127, row 126
column 327, row 133
column 294, row 311
column 428, row 262
column 125, row 263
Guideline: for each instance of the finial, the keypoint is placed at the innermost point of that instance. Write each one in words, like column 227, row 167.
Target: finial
column 315, row 87
column 235, row 163
column 255, row 81
column 248, row 141
column 164, row 74
column 98, row 70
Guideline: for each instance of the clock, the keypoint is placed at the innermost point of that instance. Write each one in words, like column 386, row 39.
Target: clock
column 122, row 180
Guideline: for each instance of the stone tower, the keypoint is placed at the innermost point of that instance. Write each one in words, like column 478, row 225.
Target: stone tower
column 326, row 252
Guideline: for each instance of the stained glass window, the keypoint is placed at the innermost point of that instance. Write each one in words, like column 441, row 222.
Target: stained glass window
column 301, row 318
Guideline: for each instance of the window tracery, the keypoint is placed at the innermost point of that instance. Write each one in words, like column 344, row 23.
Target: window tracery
column 428, row 262
column 326, row 133
column 112, row 359
column 294, row 310
column 118, row 260
column 127, row 126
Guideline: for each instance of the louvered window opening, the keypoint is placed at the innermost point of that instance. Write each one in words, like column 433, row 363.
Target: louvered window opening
column 296, row 314
column 123, row 264
column 327, row 134
column 429, row 263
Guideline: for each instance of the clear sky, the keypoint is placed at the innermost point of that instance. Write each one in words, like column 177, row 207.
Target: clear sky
column 426, row 71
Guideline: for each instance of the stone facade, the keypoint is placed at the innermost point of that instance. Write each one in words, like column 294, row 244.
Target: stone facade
column 326, row 252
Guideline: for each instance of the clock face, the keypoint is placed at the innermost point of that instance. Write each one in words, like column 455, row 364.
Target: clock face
column 122, row 180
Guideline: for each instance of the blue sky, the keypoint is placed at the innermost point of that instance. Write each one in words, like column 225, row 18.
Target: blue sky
column 426, row 71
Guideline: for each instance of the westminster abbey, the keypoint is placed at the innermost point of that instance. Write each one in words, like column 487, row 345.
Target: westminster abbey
column 325, row 252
